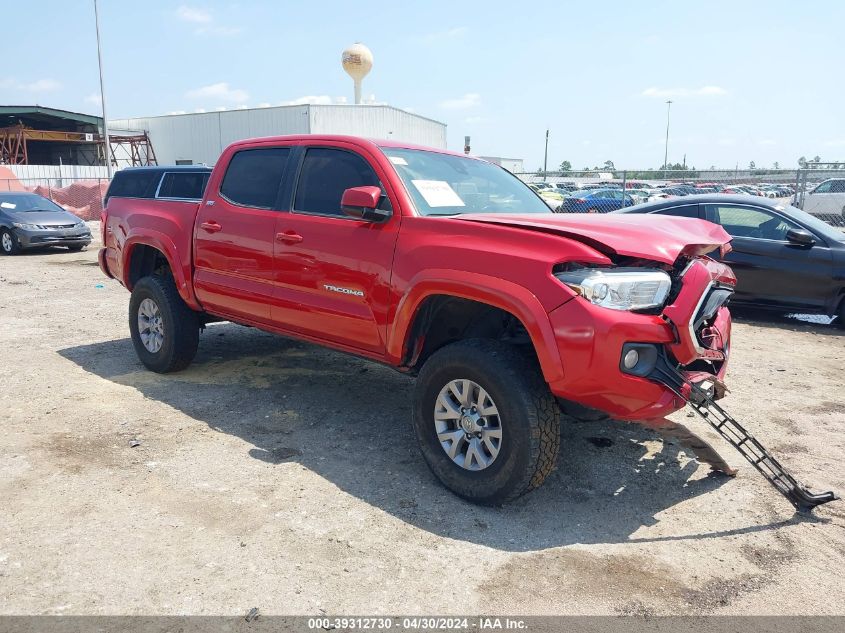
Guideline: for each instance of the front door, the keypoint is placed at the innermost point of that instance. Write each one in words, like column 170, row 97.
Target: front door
column 235, row 235
column 771, row 271
column 332, row 270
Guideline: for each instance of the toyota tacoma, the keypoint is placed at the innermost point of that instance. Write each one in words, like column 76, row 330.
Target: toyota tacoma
column 445, row 267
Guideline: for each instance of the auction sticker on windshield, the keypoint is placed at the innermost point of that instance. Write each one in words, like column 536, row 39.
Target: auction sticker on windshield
column 438, row 193
column 8, row 205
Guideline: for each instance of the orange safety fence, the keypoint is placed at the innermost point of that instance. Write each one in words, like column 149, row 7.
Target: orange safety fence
column 82, row 197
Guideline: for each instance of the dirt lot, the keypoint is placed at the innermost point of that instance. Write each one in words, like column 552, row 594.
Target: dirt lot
column 280, row 475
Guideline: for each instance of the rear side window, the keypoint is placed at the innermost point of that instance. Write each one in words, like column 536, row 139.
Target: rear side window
column 253, row 177
column 325, row 175
column 686, row 211
column 837, row 186
column 134, row 184
column 183, row 185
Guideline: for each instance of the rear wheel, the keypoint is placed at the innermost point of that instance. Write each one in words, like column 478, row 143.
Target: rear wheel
column 486, row 422
column 165, row 331
column 9, row 244
column 840, row 319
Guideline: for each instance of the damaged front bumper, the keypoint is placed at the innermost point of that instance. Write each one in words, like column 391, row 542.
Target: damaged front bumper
column 607, row 355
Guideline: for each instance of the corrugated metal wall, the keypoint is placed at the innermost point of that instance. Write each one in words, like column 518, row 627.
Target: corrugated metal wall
column 378, row 122
column 201, row 137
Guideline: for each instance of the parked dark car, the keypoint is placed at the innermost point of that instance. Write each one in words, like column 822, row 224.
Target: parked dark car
column 596, row 201
column 28, row 220
column 784, row 259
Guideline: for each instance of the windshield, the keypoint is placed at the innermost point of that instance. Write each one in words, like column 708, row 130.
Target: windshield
column 812, row 222
column 444, row 184
column 25, row 202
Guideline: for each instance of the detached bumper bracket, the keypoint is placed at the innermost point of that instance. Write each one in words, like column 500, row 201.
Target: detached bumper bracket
column 736, row 435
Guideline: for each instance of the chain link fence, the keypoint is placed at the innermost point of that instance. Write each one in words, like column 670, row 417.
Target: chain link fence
column 818, row 189
column 82, row 197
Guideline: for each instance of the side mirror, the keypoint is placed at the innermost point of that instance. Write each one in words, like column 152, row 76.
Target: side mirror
column 362, row 203
column 800, row 237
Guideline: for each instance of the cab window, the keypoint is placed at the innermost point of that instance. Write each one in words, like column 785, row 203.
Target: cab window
column 325, row 174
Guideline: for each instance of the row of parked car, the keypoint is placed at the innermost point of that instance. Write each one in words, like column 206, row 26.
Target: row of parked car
column 824, row 199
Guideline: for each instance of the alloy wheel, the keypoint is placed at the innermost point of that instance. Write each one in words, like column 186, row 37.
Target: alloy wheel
column 150, row 325
column 467, row 424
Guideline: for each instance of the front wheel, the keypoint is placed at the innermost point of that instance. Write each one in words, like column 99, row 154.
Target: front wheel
column 165, row 331
column 9, row 244
column 486, row 422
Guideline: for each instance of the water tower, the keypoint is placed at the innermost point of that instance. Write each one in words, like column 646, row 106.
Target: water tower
column 357, row 61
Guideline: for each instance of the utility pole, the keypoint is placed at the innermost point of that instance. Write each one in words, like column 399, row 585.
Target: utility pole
column 546, row 157
column 666, row 151
column 106, row 143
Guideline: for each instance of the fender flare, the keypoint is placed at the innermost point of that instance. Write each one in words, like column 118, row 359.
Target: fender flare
column 494, row 291
column 162, row 243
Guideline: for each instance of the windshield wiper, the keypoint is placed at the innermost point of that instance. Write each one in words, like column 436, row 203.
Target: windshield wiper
column 441, row 215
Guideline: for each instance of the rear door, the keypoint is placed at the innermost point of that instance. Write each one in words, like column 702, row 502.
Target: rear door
column 234, row 236
column 771, row 271
column 332, row 270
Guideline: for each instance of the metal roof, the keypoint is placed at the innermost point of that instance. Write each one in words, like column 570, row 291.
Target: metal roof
column 13, row 110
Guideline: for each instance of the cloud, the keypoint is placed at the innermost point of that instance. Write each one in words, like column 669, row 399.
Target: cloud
column 194, row 15
column 767, row 142
column 220, row 91
column 668, row 93
column 726, row 142
column 839, row 142
column 177, row 112
column 469, row 100
column 93, row 98
column 448, row 34
column 39, row 85
column 474, row 119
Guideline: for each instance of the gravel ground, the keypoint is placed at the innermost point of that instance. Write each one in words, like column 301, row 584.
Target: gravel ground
column 276, row 474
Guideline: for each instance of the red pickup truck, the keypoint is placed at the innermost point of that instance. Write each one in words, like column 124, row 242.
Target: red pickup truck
column 442, row 266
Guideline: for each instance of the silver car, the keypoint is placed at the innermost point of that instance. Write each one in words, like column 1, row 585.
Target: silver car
column 28, row 220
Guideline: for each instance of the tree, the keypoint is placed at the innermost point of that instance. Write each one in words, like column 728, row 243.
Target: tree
column 608, row 165
column 752, row 166
column 802, row 162
column 566, row 166
column 776, row 165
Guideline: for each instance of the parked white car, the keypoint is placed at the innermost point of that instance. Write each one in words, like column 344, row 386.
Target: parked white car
column 827, row 198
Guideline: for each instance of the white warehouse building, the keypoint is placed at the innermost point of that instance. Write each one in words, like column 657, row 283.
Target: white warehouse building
column 201, row 137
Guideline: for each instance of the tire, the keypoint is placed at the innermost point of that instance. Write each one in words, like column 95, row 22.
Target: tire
column 528, row 420
column 840, row 318
column 177, row 324
column 592, row 210
column 75, row 249
column 9, row 244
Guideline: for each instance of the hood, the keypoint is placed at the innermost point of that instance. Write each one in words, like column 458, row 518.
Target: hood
column 660, row 238
column 44, row 218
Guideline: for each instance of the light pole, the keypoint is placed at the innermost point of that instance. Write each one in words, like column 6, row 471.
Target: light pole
column 666, row 150
column 546, row 157
column 106, row 143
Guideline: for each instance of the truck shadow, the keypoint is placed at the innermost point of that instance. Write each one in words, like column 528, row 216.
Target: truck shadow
column 347, row 420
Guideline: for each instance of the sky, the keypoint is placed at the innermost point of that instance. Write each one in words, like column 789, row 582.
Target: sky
column 750, row 81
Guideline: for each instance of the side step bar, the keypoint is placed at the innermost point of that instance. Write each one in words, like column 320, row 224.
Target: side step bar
column 750, row 448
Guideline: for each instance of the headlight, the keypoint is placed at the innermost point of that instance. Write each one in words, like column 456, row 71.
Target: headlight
column 619, row 288
column 21, row 225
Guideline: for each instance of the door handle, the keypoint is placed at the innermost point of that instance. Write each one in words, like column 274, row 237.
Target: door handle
column 289, row 237
column 211, row 227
